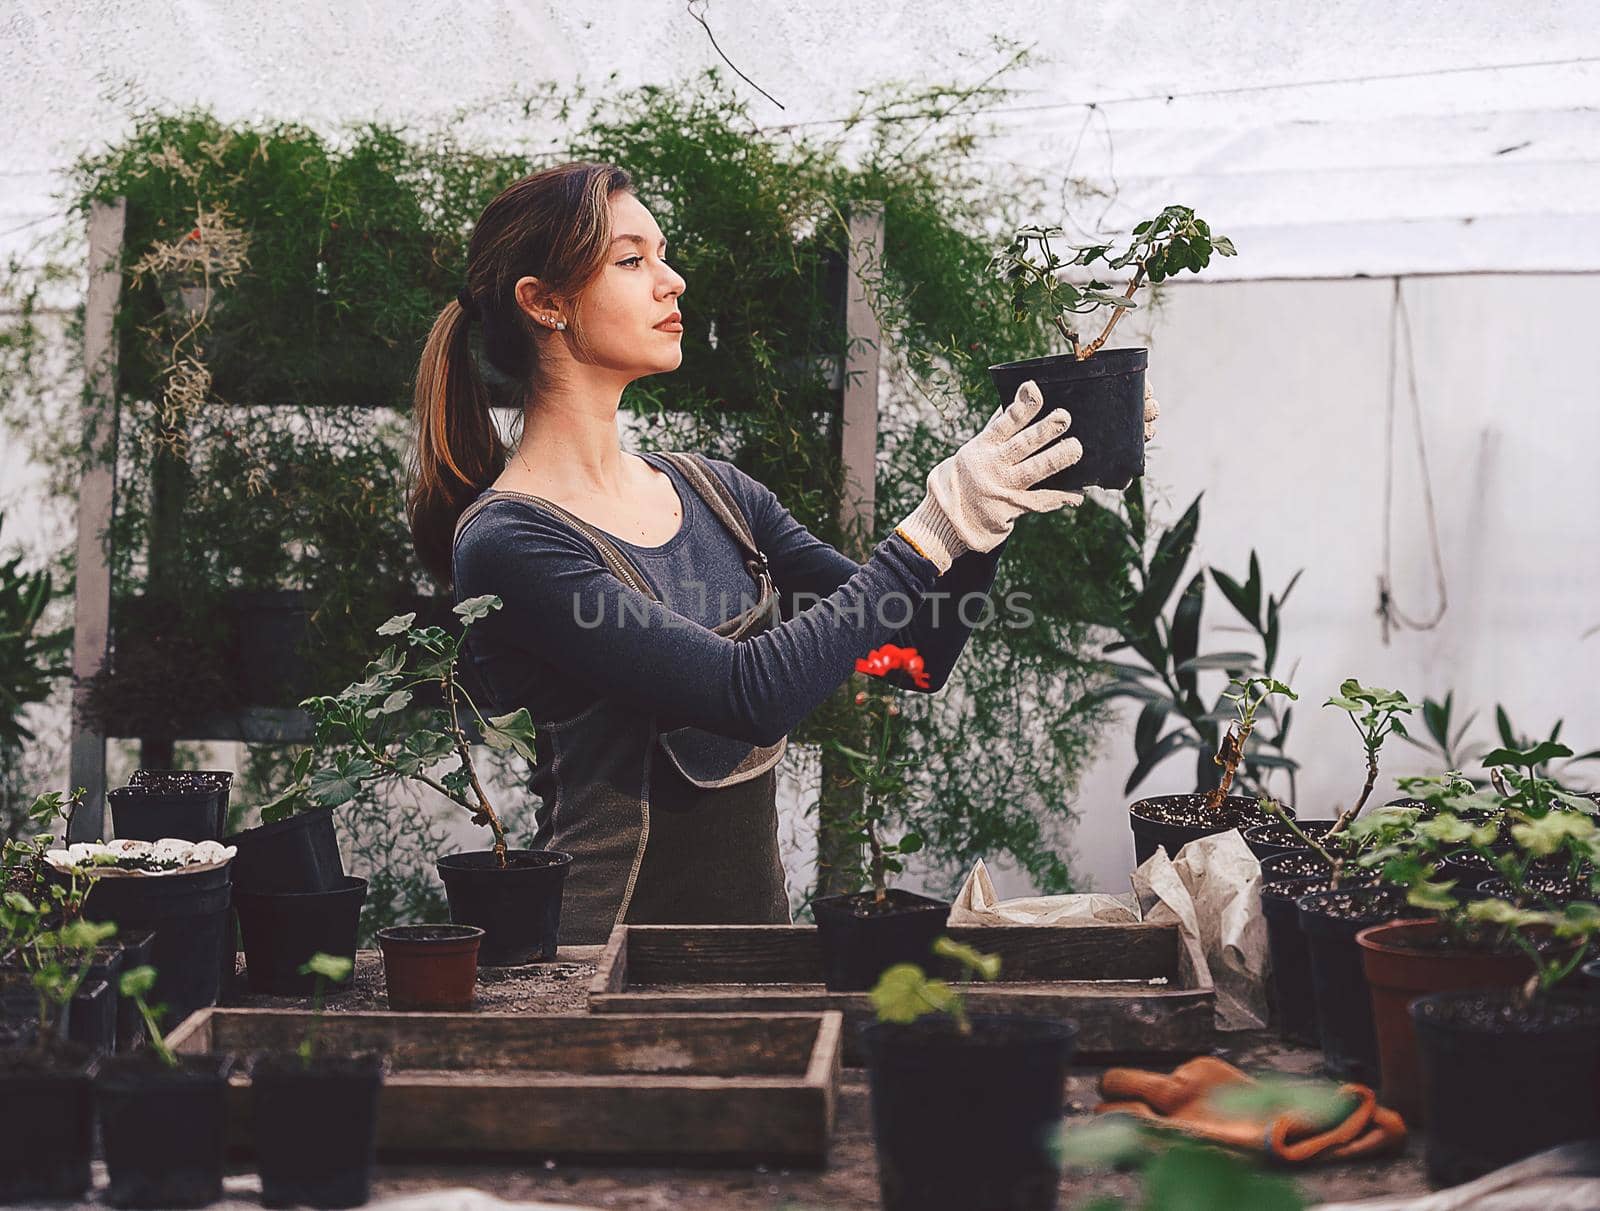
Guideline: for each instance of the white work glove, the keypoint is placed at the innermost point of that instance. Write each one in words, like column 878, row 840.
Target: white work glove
column 1151, row 411
column 976, row 495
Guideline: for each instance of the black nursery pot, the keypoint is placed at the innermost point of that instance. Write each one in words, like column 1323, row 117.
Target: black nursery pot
column 137, row 947
column 967, row 1122
column 316, row 1129
column 518, row 907
column 164, row 1129
column 1172, row 821
column 1104, row 395
column 1270, row 840
column 188, row 913
column 859, row 944
column 1330, row 921
column 282, row 930
column 1293, row 995
column 46, row 1124
column 92, row 1020
column 299, row 853
column 1502, row 1081
column 143, row 813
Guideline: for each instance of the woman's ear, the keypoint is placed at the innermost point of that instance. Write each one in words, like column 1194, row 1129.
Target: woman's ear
column 537, row 302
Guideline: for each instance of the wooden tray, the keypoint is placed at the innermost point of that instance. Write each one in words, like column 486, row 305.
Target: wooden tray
column 1119, row 983
column 702, row 1088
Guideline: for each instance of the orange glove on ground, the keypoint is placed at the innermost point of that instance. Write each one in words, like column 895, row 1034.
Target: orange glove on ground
column 1180, row 1102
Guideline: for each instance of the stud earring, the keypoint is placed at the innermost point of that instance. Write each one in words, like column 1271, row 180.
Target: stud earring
column 561, row 325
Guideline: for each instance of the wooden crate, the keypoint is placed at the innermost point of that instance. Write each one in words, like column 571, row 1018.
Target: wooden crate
column 1119, row 983
column 701, row 1088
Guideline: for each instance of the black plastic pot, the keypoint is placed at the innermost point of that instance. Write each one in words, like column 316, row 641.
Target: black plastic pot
column 1151, row 832
column 137, row 947
column 1557, row 889
column 1104, row 395
column 273, row 628
column 1270, row 840
column 163, row 1129
column 283, row 930
column 859, row 944
column 300, row 853
column 1502, row 1081
column 46, row 1124
column 316, row 1129
column 92, row 1019
column 1293, row 996
column 183, row 781
column 518, row 907
column 141, row 814
column 188, row 913
column 968, row 1122
column 1330, row 921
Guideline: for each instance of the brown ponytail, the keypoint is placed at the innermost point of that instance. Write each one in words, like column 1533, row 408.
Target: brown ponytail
column 554, row 225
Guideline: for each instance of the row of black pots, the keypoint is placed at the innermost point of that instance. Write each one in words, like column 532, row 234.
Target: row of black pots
column 164, row 1130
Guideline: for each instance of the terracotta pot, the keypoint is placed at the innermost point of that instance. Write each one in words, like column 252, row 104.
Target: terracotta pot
column 1403, row 962
column 430, row 967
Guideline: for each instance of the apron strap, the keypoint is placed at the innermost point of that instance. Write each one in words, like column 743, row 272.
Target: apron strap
column 723, row 503
column 614, row 559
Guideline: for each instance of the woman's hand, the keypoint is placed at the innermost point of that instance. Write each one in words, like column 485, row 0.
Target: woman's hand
column 976, row 495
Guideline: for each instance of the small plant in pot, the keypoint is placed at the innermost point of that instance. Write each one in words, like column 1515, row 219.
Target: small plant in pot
column 46, row 1106
column 965, row 1107
column 1469, row 944
column 866, row 932
column 1172, row 821
column 1102, row 389
column 1507, row 1073
column 316, row 1114
column 162, row 1116
column 364, row 734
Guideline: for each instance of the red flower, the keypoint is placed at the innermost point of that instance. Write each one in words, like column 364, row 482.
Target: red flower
column 193, row 235
column 880, row 660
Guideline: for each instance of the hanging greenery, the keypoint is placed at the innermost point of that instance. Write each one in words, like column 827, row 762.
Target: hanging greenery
column 278, row 286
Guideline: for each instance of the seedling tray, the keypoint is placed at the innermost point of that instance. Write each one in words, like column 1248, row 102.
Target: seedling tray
column 692, row 1089
column 1120, row 983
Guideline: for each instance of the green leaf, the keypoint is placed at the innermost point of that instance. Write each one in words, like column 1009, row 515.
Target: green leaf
column 1527, row 758
column 1184, row 637
column 1149, row 726
column 474, row 608
column 138, row 981
column 336, row 968
column 1229, row 661
column 1166, row 566
column 512, row 731
column 910, row 843
column 399, row 624
column 904, row 993
column 1238, row 596
column 1159, row 752
column 420, row 750
column 342, row 782
column 984, row 966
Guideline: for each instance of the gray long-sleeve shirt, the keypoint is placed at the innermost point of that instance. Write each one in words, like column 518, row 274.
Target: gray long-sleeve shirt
column 571, row 632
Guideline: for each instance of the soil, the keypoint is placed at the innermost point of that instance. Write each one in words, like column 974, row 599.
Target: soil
column 1237, row 811
column 864, row 904
column 1279, row 834
column 1506, row 1012
column 559, row 987
column 1289, row 889
column 1297, row 864
column 1557, row 888
column 179, row 782
column 59, row 1058
column 435, row 933
column 1375, row 904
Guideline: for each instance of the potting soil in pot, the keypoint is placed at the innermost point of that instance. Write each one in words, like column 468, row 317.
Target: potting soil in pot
column 1172, row 821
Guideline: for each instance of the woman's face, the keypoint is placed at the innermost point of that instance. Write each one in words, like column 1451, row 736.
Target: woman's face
column 622, row 310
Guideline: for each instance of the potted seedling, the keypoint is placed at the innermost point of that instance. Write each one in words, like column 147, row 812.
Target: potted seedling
column 365, row 735
column 162, row 1116
column 1172, row 821
column 1102, row 389
column 1331, row 907
column 964, row 1106
column 46, row 1108
column 1506, row 1073
column 1458, row 949
column 316, row 1114
column 863, row 933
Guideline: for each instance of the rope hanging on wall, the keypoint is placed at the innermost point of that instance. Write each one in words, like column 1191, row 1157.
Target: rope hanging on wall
column 1390, row 615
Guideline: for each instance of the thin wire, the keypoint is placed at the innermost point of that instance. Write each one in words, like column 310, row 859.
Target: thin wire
column 725, row 59
column 1389, row 613
column 1237, row 90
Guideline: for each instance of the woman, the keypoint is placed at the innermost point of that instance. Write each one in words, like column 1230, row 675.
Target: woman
column 654, row 623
